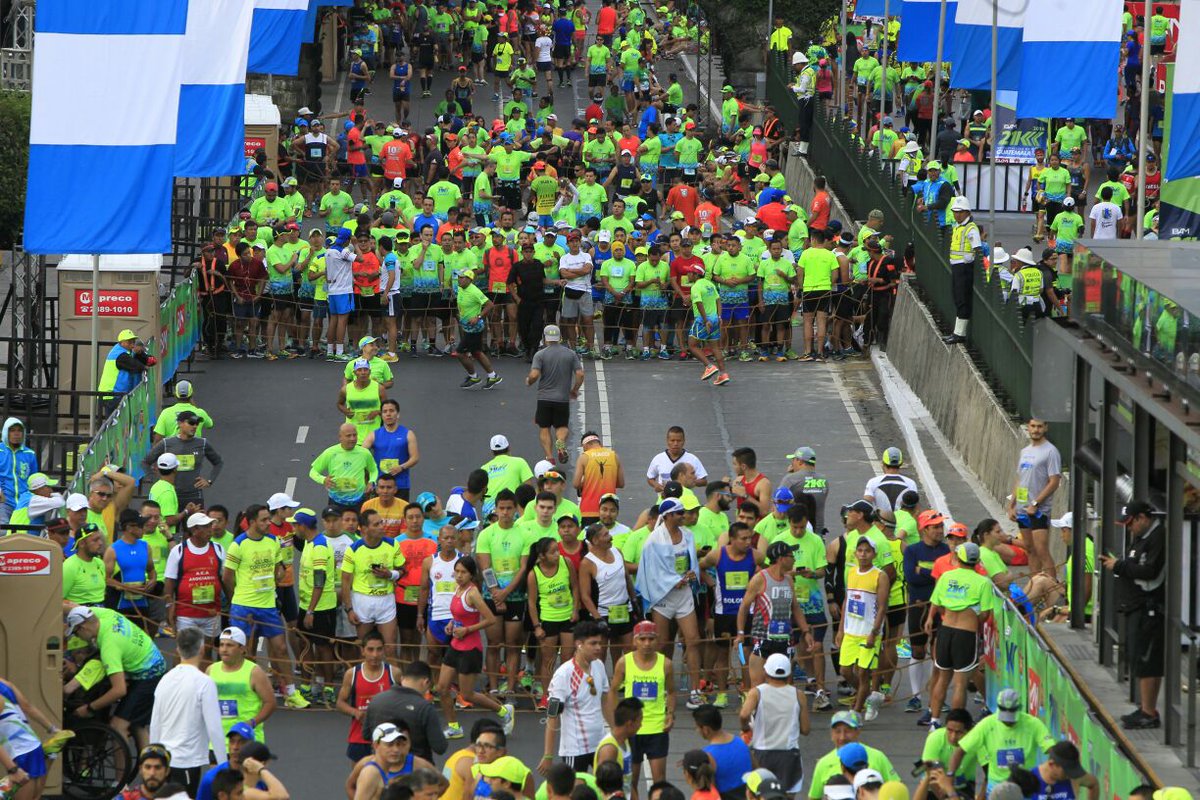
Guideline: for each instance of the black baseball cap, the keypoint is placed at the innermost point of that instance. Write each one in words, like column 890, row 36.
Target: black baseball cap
column 1136, row 507
column 1066, row 755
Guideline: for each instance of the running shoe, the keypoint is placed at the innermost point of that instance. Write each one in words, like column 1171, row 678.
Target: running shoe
column 503, row 687
column 792, row 355
column 630, row 354
column 721, row 700
column 453, row 731
column 763, row 356
column 561, row 454
column 508, row 715
column 271, row 356
column 56, row 741
column 468, row 382
column 781, row 358
column 745, row 356
column 664, row 355
column 256, row 353
column 492, row 383
column 645, row 356
column 237, row 354
column 709, row 371
column 1141, row 721
column 343, row 357
column 807, row 357
column 874, row 701
column 330, row 696
column 390, row 357
column 461, row 704
column 296, row 700
column 844, row 689
column 925, row 718
column 430, row 350
column 695, row 700
column 914, row 704
column 542, row 703
column 722, row 379
column 822, row 702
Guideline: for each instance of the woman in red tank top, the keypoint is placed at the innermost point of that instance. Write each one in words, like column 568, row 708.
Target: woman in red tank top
column 570, row 545
column 464, row 658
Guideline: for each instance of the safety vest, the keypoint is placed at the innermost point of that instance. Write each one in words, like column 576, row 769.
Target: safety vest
column 1031, row 281
column 113, row 378
column 915, row 161
column 961, row 251
column 931, row 195
column 210, row 279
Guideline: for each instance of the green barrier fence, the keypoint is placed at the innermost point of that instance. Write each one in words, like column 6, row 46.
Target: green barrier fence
column 124, row 437
column 1001, row 344
column 1017, row 657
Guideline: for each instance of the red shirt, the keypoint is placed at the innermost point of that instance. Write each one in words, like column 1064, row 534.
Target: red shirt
column 395, row 157
column 594, row 111
column 818, row 212
column 356, row 152
column 606, row 20
column 948, row 562
column 631, row 144
column 243, row 275
column 773, row 215
column 684, row 198
column 685, row 270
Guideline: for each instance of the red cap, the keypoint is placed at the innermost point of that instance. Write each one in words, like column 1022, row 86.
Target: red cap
column 691, row 126
column 539, row 165
column 645, row 628
column 929, row 517
column 272, row 186
column 958, row 529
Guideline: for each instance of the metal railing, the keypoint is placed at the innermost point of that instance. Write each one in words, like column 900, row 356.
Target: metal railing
column 999, row 341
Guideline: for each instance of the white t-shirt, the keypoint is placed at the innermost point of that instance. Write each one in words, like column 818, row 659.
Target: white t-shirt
column 577, row 261
column 1106, row 216
column 175, row 556
column 582, row 722
column 661, row 466
column 543, row 45
column 339, row 270
column 339, row 545
column 887, row 489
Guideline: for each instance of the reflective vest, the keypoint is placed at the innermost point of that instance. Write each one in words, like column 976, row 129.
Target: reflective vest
column 915, row 161
column 961, row 251
column 932, row 189
column 210, row 277
column 113, row 378
column 1031, row 282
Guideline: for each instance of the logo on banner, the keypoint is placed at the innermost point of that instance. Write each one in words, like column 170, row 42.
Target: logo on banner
column 25, row 562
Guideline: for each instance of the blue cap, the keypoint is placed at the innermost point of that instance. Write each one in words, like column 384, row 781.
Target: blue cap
column 853, row 756
column 344, row 234
column 301, row 122
column 670, row 506
column 242, row 729
column 348, row 125
column 647, row 216
column 425, row 499
column 783, row 496
column 305, row 517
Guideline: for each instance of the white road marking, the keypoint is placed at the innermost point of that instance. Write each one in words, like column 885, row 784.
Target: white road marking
column 722, row 429
column 605, row 419
column 302, row 434
column 839, row 386
column 289, row 487
column 581, row 408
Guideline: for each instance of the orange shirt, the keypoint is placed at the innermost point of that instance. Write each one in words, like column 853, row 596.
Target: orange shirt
column 684, row 199
column 709, row 213
column 599, row 478
column 415, row 552
column 395, row 156
column 393, row 518
column 606, row 20
column 948, row 562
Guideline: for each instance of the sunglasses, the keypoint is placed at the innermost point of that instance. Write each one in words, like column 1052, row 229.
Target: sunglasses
column 102, row 494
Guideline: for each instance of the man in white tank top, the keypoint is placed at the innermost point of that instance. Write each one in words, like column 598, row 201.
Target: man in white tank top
column 776, row 712
column 437, row 590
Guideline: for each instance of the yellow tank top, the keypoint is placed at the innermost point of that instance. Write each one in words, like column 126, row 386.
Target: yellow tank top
column 861, row 602
column 649, row 686
column 554, row 593
column 235, row 696
column 626, row 754
column 454, row 789
column 361, row 403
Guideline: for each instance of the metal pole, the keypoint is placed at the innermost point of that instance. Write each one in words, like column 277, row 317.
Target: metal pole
column 995, row 47
column 883, row 86
column 1143, row 139
column 937, row 80
column 845, row 65
column 95, row 340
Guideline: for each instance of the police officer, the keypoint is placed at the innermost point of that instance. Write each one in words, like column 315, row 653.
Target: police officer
column 966, row 250
column 123, row 368
column 1142, row 577
column 805, row 88
column 937, row 195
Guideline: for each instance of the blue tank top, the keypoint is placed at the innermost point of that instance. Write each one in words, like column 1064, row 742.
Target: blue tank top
column 389, row 776
column 131, row 563
column 732, row 577
column 733, row 761
column 389, row 447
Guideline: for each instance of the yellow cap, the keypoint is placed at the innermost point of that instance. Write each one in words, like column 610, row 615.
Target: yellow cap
column 893, row 790
column 125, row 335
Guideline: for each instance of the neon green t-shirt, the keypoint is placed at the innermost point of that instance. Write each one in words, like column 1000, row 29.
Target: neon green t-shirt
column 317, row 557
column 253, row 563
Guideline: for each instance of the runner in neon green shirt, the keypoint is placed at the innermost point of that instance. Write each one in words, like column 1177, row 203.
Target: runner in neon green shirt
column 345, row 469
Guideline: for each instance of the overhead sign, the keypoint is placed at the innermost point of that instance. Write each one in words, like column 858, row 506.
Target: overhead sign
column 25, row 562
column 254, row 144
column 113, row 303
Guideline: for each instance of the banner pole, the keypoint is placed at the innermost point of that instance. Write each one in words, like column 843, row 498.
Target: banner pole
column 937, row 80
column 995, row 47
column 845, row 65
column 95, row 340
column 1143, row 122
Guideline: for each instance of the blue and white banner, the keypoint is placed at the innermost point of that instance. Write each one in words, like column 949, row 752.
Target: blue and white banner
column 1184, row 158
column 919, row 29
column 875, row 8
column 971, row 52
column 212, row 99
column 1070, row 32
column 105, row 111
column 276, row 35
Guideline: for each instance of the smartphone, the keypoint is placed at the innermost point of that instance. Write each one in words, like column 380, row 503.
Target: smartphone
column 553, row 707
column 490, row 580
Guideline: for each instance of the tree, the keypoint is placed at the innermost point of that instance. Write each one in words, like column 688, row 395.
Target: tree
column 14, row 162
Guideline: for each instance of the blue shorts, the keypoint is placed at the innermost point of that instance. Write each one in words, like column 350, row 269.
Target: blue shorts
column 627, row 86
column 359, row 170
column 736, row 313
column 545, row 221
column 340, row 304
column 33, row 762
column 266, row 622
column 1064, row 247
column 438, row 628
column 699, row 333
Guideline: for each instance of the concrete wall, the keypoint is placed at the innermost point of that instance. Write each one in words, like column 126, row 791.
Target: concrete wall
column 956, row 395
column 800, row 186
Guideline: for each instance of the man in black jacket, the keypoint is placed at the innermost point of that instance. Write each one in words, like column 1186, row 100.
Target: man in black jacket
column 947, row 140
column 1142, row 574
column 405, row 702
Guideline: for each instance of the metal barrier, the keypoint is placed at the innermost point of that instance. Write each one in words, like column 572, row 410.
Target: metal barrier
column 974, row 179
column 999, row 342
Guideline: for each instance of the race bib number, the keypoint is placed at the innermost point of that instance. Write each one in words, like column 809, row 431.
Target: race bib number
column 1010, row 757
column 344, row 484
column 498, row 286
column 856, row 608
column 229, row 708
column 1022, row 496
column 681, row 564
column 204, row 594
column 645, row 690
column 187, row 462
column 737, row 579
column 779, row 628
column 618, row 614
column 560, row 600
column 444, row 586
column 412, row 594
column 618, row 272
column 388, row 464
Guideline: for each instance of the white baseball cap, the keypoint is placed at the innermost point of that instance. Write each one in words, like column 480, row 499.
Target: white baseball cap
column 777, row 665
column 76, row 502
column 234, row 635
column 865, row 777
column 168, row 461
column 198, row 519
column 542, row 467
column 499, row 442
column 280, row 500
column 960, row 203
column 604, row 236
column 77, row 616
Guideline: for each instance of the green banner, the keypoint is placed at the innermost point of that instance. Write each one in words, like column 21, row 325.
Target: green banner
column 178, row 328
column 1178, row 200
column 124, row 437
column 1017, row 658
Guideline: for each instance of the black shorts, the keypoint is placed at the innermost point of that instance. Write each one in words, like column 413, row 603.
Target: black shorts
column 1147, row 642
column 557, row 628
column 470, row 342
column 725, row 625
column 848, row 303
column 552, row 414
column 188, row 778
column 814, row 302
column 769, row 647
column 138, row 703
column 581, row 763
column 464, row 662
column 285, row 601
column 956, row 650
column 406, row 616
column 514, row 610
column 916, row 623
column 776, row 313
column 561, row 52
column 618, row 629
column 649, row 745
column 371, row 305
column 400, row 97
column 652, row 318
column 500, row 298
column 324, row 624
column 356, row 751
column 597, row 78
column 896, row 618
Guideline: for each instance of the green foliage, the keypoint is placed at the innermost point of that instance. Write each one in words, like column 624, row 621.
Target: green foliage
column 14, row 160
column 737, row 22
